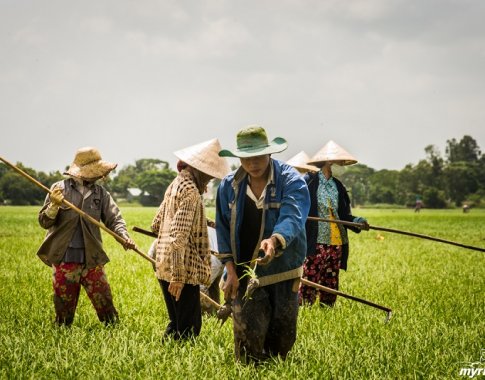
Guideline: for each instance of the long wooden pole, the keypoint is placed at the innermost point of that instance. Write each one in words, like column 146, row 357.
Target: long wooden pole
column 361, row 225
column 88, row 217
column 76, row 209
column 144, row 232
column 304, row 281
column 345, row 295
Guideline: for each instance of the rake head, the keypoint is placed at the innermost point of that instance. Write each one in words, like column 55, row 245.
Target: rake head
column 224, row 312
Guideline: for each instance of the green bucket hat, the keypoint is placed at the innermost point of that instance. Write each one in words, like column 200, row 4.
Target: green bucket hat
column 253, row 141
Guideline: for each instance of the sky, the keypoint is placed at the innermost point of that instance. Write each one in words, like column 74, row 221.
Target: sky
column 142, row 79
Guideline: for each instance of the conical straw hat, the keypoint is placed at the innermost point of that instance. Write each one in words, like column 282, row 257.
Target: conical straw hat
column 299, row 162
column 334, row 153
column 205, row 157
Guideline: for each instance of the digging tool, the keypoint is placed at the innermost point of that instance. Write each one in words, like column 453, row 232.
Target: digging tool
column 341, row 294
column 91, row 219
column 225, row 310
column 363, row 226
column 253, row 284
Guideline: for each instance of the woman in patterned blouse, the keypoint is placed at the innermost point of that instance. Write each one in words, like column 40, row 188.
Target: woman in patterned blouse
column 327, row 243
column 182, row 246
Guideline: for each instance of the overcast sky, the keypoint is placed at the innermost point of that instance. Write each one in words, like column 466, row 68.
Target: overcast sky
column 141, row 79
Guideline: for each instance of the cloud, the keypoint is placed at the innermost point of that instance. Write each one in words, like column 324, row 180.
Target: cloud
column 371, row 74
column 97, row 25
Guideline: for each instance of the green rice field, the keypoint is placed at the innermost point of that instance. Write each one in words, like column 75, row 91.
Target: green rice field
column 436, row 292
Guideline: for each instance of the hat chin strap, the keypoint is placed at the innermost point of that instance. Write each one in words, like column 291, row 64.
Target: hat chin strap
column 76, row 179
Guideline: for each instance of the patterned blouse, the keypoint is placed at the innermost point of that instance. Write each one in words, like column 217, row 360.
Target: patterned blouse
column 182, row 248
column 327, row 199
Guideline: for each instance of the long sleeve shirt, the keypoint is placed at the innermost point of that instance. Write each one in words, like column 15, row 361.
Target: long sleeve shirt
column 182, row 248
column 99, row 204
column 285, row 209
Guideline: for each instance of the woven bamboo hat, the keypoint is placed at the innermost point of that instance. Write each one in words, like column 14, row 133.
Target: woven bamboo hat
column 205, row 157
column 253, row 141
column 299, row 162
column 334, row 153
column 88, row 165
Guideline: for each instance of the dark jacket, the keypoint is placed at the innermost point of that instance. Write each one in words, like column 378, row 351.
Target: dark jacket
column 343, row 213
column 99, row 204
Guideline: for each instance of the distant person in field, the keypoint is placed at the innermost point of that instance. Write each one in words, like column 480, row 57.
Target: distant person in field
column 327, row 243
column 418, row 206
column 260, row 222
column 73, row 246
column 183, row 259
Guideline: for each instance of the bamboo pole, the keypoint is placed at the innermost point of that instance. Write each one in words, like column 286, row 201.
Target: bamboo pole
column 92, row 220
column 361, row 225
column 76, row 209
column 345, row 295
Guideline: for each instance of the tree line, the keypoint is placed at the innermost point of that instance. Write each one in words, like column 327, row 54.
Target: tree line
column 145, row 182
column 438, row 181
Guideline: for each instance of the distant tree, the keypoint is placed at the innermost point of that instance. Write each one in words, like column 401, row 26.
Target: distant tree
column 434, row 198
column 154, row 183
column 356, row 179
column 384, row 186
column 438, row 181
column 481, row 172
column 125, row 179
column 148, row 174
column 52, row 178
column 409, row 185
column 461, row 180
column 433, row 157
column 3, row 170
column 20, row 191
column 381, row 194
column 466, row 150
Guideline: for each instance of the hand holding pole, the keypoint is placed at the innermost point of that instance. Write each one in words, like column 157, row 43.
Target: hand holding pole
column 128, row 243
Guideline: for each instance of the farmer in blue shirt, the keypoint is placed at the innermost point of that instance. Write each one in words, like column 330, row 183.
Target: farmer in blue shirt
column 260, row 221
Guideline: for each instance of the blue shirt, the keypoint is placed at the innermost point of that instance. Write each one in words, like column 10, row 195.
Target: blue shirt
column 285, row 209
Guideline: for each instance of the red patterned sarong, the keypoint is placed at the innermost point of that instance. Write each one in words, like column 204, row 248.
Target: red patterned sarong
column 67, row 281
column 322, row 268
